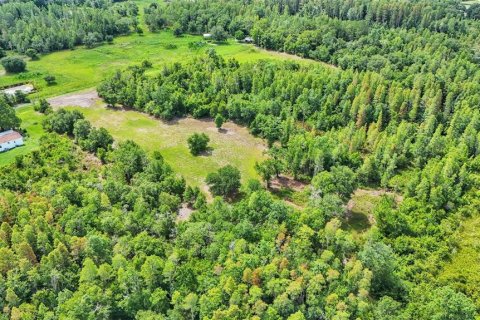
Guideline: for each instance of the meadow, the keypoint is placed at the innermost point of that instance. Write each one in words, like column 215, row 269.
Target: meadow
column 233, row 145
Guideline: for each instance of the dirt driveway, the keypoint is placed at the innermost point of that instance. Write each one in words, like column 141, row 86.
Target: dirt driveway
column 84, row 99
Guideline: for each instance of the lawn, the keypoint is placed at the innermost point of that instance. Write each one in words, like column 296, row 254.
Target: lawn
column 32, row 122
column 234, row 145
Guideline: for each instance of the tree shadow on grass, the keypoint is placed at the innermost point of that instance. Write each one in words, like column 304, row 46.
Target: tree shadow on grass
column 206, row 153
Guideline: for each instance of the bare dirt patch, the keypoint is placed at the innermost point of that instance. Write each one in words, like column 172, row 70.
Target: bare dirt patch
column 184, row 213
column 282, row 182
column 85, row 99
column 25, row 88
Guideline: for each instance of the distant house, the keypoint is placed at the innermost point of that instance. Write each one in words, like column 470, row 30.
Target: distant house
column 207, row 36
column 248, row 40
column 10, row 139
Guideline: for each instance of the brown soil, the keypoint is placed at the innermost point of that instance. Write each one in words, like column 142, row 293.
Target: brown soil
column 284, row 182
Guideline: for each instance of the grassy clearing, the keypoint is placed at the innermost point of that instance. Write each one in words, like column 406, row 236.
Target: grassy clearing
column 233, row 146
column 463, row 271
column 84, row 68
column 360, row 209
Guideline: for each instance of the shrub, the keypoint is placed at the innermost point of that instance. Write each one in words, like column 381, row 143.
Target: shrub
column 32, row 54
column 43, row 106
column 13, row 64
column 50, row 80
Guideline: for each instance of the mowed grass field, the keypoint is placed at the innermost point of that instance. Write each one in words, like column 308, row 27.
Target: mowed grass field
column 234, row 145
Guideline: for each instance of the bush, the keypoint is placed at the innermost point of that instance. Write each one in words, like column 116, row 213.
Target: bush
column 50, row 80
column 198, row 143
column 2, row 53
column 177, row 29
column 219, row 121
column 32, row 54
column 219, row 34
column 170, row 46
column 20, row 97
column 146, row 64
column 43, row 106
column 13, row 64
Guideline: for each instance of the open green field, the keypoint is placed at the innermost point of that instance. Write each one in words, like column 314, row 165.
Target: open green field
column 234, row 145
column 84, row 68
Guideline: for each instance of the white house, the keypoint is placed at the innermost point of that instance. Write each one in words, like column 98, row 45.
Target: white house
column 10, row 139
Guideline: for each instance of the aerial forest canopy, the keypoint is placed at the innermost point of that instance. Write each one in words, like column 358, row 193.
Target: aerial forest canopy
column 56, row 25
column 386, row 36
column 90, row 228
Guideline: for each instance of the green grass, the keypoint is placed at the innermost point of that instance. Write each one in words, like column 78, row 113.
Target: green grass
column 463, row 271
column 361, row 205
column 236, row 147
column 32, row 122
column 84, row 68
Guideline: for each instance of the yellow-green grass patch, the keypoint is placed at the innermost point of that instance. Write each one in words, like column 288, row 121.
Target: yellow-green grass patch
column 234, row 145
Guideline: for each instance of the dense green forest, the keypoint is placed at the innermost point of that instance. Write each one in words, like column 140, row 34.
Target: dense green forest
column 47, row 26
column 90, row 227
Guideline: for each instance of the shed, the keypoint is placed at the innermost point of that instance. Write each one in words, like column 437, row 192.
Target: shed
column 10, row 139
column 207, row 36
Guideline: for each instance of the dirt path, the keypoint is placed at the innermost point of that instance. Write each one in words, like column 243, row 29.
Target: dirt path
column 84, row 99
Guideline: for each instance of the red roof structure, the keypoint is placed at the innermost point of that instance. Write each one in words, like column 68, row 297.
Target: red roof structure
column 9, row 136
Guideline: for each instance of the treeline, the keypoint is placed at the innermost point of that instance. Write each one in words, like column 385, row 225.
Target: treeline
column 398, row 38
column 200, row 16
column 81, row 240
column 50, row 26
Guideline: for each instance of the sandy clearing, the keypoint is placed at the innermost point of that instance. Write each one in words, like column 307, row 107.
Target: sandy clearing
column 84, row 99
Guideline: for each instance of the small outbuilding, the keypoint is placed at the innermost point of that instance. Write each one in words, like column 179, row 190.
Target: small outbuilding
column 248, row 40
column 207, row 36
column 10, row 139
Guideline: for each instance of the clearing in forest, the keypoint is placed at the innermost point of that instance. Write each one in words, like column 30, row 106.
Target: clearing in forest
column 359, row 215
column 233, row 145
